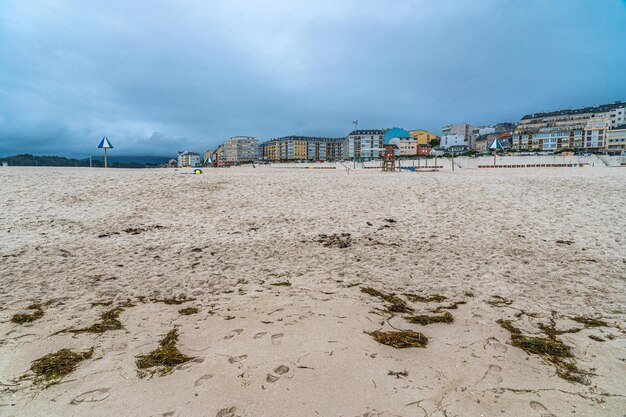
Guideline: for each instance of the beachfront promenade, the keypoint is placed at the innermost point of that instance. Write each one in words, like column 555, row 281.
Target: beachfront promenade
column 465, row 162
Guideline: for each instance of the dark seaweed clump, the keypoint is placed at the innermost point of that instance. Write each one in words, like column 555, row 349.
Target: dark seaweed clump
column 343, row 240
column 425, row 319
column 164, row 358
column 102, row 303
column 452, row 306
column 551, row 350
column 173, row 300
column 421, row 299
column 55, row 366
column 396, row 304
column 29, row 317
column 281, row 284
column 498, row 301
column 590, row 322
column 398, row 374
column 552, row 332
column 401, row 339
column 108, row 321
column 188, row 311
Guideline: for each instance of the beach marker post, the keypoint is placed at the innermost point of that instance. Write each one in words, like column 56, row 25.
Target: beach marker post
column 105, row 144
column 495, row 145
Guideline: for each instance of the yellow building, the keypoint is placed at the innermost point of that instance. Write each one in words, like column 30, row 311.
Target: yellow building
column 269, row 150
column 301, row 148
column 423, row 137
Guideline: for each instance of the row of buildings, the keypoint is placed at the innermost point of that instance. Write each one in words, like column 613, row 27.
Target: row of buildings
column 358, row 144
column 594, row 129
column 465, row 137
column 600, row 129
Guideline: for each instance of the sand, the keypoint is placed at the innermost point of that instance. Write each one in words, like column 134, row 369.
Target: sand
column 73, row 237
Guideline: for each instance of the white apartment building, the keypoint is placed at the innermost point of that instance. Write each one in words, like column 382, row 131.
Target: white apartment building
column 189, row 159
column 458, row 134
column 453, row 140
column 363, row 144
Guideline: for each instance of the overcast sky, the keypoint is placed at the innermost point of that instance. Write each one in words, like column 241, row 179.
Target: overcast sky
column 161, row 76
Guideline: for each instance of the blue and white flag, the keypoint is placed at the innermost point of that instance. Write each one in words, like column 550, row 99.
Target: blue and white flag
column 104, row 143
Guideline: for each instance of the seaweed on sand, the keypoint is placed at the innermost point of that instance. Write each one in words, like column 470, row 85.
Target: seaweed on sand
column 421, row 299
column 552, row 332
column 550, row 349
column 453, row 306
column 163, row 359
column 173, row 300
column 108, row 321
column 281, row 284
column 29, row 317
column 342, row 240
column 396, row 304
column 498, row 301
column 401, row 339
column 102, row 303
column 187, row 311
column 54, row 366
column 590, row 322
column 425, row 319
column 398, row 374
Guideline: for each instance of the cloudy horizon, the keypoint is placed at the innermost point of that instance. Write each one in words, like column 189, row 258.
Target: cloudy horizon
column 156, row 77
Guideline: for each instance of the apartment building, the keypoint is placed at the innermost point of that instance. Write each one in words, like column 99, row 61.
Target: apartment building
column 422, row 137
column 363, row 144
column 240, row 149
column 302, row 148
column 584, row 128
column 458, row 134
column 189, row 159
column 616, row 140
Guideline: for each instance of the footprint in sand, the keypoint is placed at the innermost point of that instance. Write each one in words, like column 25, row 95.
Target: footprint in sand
column 260, row 334
column 202, row 380
column 233, row 333
column 235, row 359
column 168, row 414
column 494, row 372
column 277, row 339
column 278, row 372
column 227, row 412
column 495, row 344
column 541, row 408
column 93, row 396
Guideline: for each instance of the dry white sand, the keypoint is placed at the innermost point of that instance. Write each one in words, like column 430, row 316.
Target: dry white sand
column 224, row 237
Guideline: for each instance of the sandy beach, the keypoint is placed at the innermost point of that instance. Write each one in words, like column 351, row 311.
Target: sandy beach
column 276, row 262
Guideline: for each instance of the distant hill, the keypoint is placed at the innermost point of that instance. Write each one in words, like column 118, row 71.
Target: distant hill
column 61, row 161
column 138, row 159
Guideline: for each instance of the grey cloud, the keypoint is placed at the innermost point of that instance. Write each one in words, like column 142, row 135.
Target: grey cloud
column 157, row 77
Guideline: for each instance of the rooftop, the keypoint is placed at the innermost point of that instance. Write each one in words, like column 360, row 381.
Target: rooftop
column 305, row 138
column 366, row 132
column 603, row 108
